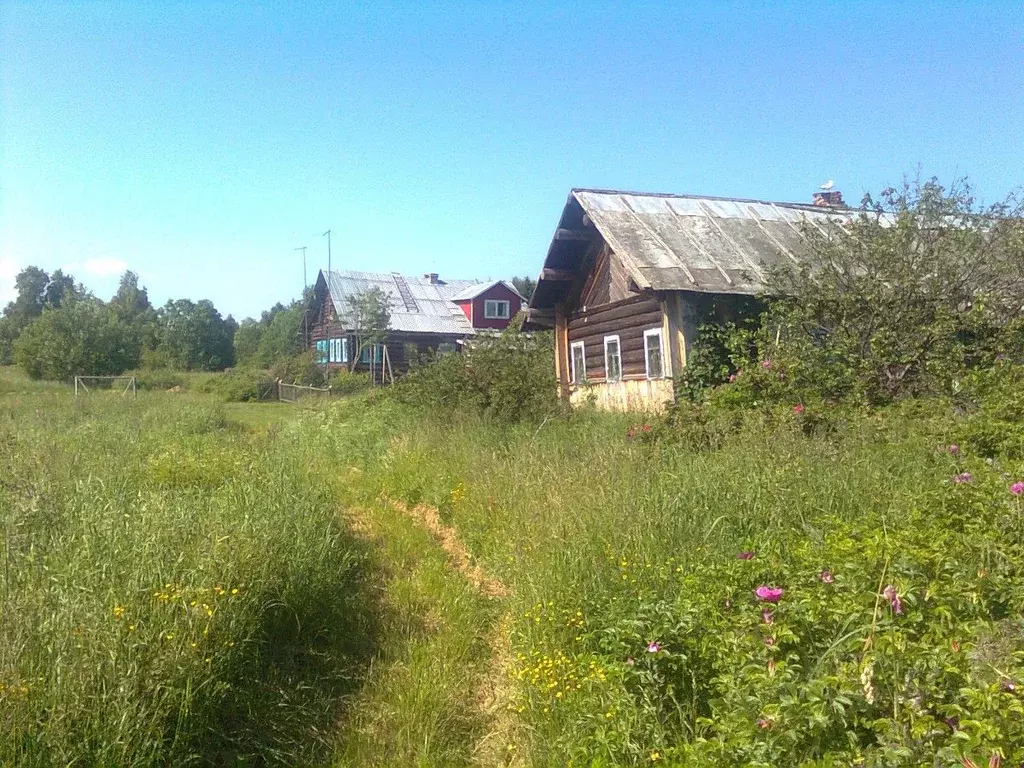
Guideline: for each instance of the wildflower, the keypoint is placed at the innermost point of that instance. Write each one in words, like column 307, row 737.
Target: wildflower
column 826, row 576
column 745, row 556
column 766, row 364
column 767, row 615
column 728, row 603
column 769, row 594
column 655, row 756
column 952, row 722
column 732, row 378
column 955, row 646
column 118, row 611
column 629, row 661
column 963, row 477
column 1009, row 686
column 764, row 723
column 798, row 408
column 653, row 647
column 1017, row 488
column 893, row 597
column 867, row 681
column 954, row 449
column 769, row 641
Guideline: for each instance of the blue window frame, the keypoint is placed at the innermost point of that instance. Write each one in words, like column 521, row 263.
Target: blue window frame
column 364, row 356
column 321, row 351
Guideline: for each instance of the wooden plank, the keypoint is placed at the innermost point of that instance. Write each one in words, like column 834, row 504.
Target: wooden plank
column 618, row 310
column 574, row 234
column 612, row 327
column 557, row 275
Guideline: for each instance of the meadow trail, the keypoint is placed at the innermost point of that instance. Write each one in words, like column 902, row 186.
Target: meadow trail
column 438, row 692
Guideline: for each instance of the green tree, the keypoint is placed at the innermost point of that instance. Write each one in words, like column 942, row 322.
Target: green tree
column 81, row 336
column 194, row 336
column 525, row 285
column 369, row 317
column 36, row 290
column 899, row 297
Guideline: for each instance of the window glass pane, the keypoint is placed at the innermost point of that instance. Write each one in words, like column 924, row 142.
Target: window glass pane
column 613, row 362
column 579, row 364
column 655, row 367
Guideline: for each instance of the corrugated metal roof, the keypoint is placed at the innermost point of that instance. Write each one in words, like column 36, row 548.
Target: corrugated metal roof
column 435, row 310
column 475, row 290
column 690, row 243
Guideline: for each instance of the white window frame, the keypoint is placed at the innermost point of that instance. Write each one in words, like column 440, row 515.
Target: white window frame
column 618, row 350
column 659, row 332
column 332, row 351
column 343, row 350
column 572, row 362
column 497, row 309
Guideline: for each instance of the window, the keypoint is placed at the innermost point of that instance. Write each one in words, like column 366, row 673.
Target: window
column 321, row 351
column 612, row 359
column 364, row 356
column 579, row 363
column 332, row 354
column 495, row 310
column 342, row 350
column 654, row 353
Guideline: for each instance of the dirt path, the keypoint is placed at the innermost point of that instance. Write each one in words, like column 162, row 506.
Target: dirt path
column 494, row 691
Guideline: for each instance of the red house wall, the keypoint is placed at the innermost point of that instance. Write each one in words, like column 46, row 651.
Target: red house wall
column 467, row 309
column 499, row 292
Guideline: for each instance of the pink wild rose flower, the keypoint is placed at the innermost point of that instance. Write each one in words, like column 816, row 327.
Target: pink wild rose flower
column 1017, row 488
column 798, row 408
column 653, row 647
column 890, row 594
column 962, row 478
column 769, row 594
column 745, row 555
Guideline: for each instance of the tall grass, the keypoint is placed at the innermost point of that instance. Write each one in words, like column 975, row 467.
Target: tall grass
column 611, row 542
column 172, row 591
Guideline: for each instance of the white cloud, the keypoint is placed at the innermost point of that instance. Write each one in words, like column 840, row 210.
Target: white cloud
column 104, row 266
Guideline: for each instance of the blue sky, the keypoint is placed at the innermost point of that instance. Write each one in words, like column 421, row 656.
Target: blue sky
column 199, row 143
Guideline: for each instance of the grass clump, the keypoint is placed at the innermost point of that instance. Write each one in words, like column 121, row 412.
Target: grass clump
column 173, row 591
column 634, row 557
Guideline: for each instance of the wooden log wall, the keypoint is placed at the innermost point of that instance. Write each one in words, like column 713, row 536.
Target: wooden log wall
column 627, row 319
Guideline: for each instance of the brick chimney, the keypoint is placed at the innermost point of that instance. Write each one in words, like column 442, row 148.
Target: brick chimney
column 831, row 198
column 432, row 277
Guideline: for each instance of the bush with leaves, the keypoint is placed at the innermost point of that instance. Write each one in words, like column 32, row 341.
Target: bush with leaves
column 901, row 297
column 82, row 336
column 507, row 377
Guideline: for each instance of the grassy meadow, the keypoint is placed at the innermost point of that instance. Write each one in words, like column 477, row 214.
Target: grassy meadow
column 186, row 582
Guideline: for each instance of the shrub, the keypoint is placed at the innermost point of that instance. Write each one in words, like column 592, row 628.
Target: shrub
column 507, row 377
column 236, row 385
column 299, row 369
column 346, row 382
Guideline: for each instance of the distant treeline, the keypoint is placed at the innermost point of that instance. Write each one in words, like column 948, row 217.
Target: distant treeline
column 55, row 329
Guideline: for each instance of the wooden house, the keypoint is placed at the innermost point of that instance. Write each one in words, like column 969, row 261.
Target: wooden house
column 427, row 314
column 629, row 278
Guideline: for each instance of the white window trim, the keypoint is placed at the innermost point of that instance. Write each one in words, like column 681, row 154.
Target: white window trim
column 572, row 362
column 661, row 344
column 343, row 343
column 607, row 368
column 501, row 309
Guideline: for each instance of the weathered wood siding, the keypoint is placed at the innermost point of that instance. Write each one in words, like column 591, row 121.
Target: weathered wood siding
column 627, row 319
column 608, row 282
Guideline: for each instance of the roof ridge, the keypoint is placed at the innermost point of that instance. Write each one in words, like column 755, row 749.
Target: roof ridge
column 673, row 195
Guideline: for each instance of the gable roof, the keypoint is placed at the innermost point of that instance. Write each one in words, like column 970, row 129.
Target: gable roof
column 475, row 290
column 680, row 242
column 417, row 304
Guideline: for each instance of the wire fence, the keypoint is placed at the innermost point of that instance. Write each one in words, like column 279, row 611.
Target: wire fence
column 293, row 393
